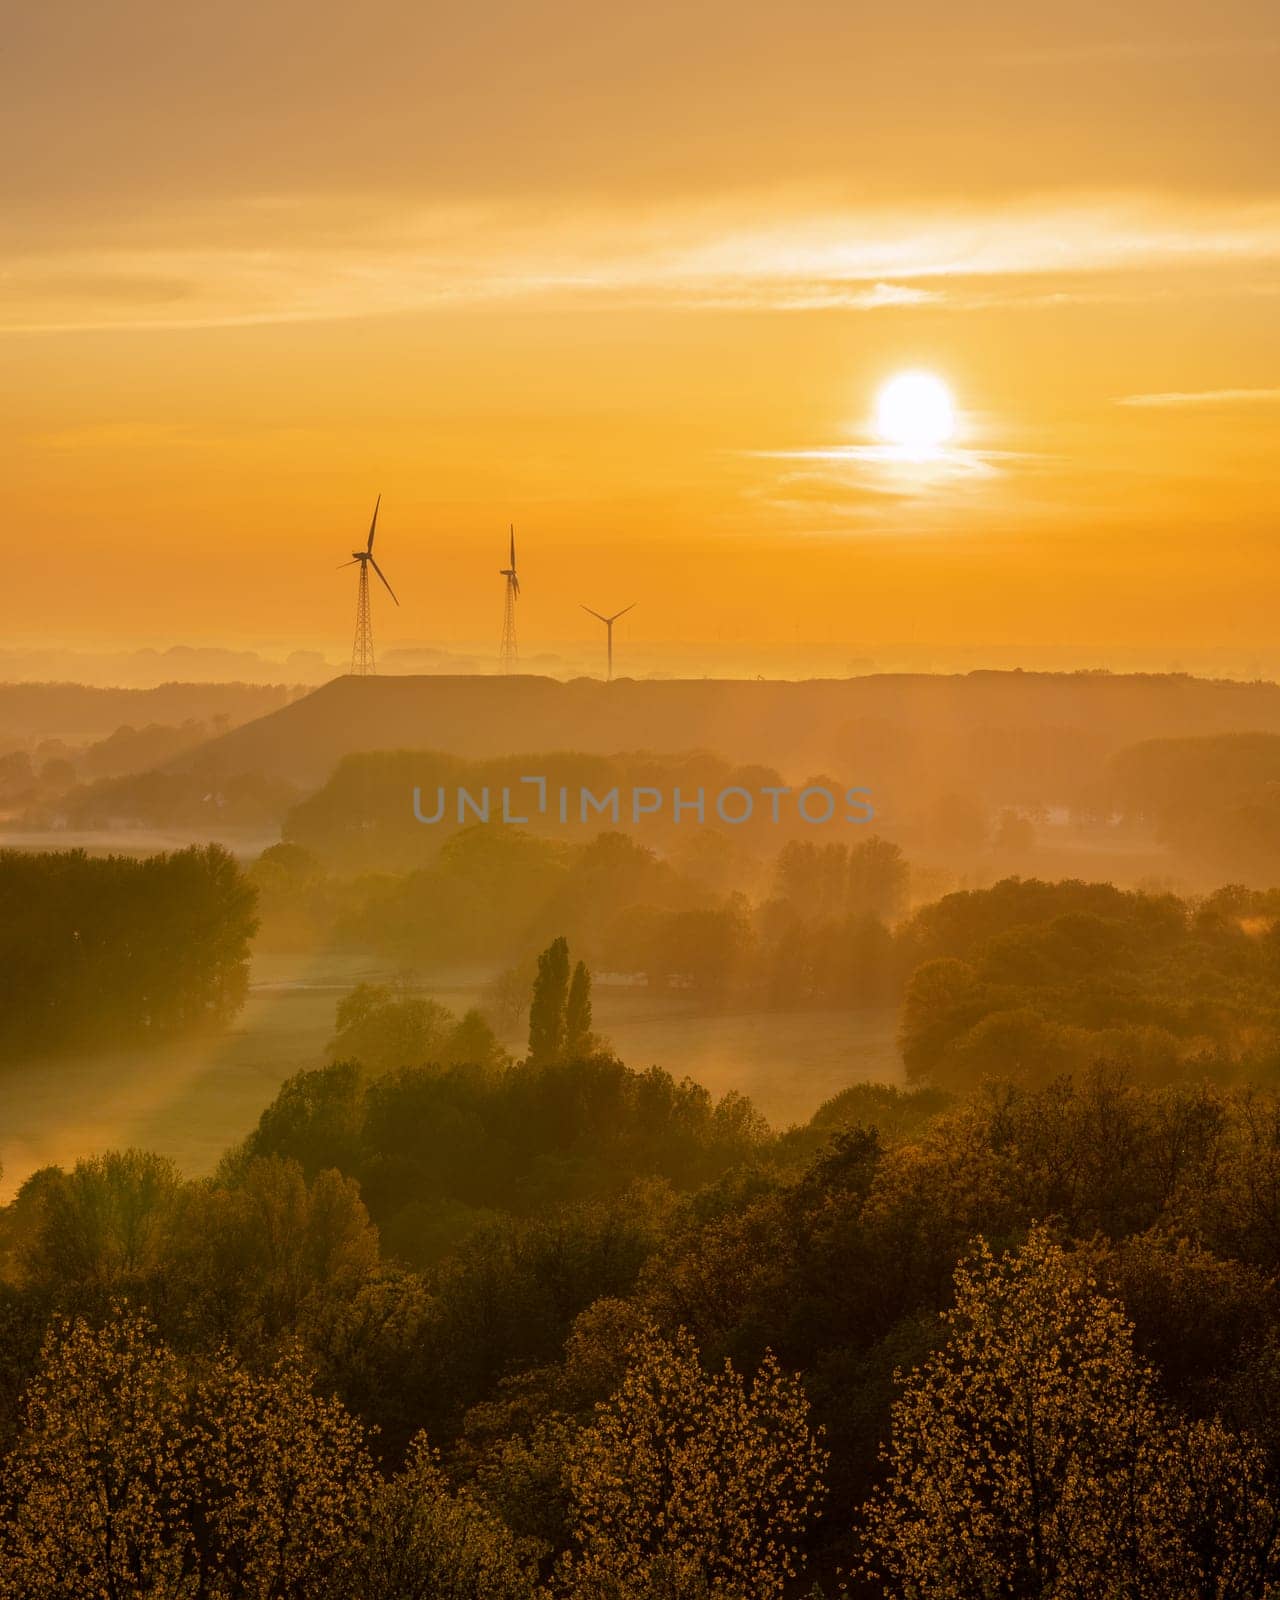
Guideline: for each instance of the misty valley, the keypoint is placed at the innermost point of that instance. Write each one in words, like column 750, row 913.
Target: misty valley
column 640, row 801
column 397, row 1211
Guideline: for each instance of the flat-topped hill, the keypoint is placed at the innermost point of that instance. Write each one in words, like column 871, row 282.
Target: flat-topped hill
column 916, row 724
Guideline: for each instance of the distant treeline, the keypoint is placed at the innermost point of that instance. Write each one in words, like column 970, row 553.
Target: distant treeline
column 113, row 950
column 1022, row 981
column 1215, row 801
column 58, row 776
column 955, row 766
column 364, row 818
column 78, row 711
column 199, row 796
column 808, row 927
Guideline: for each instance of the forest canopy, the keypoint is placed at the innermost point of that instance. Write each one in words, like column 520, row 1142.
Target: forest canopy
column 239, row 1382
column 1031, row 980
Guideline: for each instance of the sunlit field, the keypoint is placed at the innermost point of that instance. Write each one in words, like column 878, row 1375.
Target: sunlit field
column 192, row 1100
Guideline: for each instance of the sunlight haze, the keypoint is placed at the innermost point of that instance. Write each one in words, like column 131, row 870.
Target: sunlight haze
column 634, row 283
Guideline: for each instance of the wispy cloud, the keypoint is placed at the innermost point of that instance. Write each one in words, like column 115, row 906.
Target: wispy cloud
column 876, row 488
column 811, row 296
column 749, row 254
column 894, row 469
column 1186, row 398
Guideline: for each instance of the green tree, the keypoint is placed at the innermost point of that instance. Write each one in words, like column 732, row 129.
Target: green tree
column 280, row 1483
column 133, row 1477
column 693, row 1482
column 315, row 1120
column 96, row 1488
column 271, row 1257
column 473, row 1043
column 708, row 949
column 944, row 998
column 383, row 1029
column 423, row 1542
column 103, row 1229
column 547, row 1019
column 578, row 1038
column 1031, row 1456
column 879, row 879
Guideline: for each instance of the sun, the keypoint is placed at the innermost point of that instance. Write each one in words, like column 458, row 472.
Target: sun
column 915, row 412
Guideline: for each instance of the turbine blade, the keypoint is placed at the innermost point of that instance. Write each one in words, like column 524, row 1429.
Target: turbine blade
column 623, row 612
column 350, row 563
column 373, row 526
column 596, row 614
column 513, row 547
column 383, row 576
column 515, row 584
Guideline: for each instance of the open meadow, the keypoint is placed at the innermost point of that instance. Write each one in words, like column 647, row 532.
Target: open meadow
column 193, row 1098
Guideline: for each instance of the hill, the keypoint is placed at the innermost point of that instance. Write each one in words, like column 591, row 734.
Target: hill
column 77, row 711
column 1011, row 735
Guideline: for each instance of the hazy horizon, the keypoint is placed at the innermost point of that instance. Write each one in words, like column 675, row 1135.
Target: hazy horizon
column 310, row 665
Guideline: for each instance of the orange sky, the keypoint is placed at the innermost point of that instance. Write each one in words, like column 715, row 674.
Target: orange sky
column 631, row 277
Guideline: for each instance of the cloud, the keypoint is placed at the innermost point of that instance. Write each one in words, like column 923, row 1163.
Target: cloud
column 893, row 468
column 815, row 296
column 1186, row 398
column 876, row 487
column 753, row 253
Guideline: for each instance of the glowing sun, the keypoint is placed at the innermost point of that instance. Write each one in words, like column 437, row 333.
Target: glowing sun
column 915, row 412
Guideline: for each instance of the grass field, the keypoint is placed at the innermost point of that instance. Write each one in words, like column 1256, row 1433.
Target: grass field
column 191, row 1101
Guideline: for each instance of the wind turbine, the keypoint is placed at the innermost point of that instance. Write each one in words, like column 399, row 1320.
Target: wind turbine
column 608, row 623
column 362, row 665
column 509, row 654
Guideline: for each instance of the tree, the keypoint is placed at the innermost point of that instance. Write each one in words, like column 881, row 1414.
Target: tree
column 96, row 1482
column 382, row 1029
column 315, row 1120
column 944, row 998
column 426, row 1543
column 1018, row 1044
column 271, row 1258
column 473, row 1043
column 104, row 1230
column 707, row 948
column 1014, row 832
column 693, row 1482
column 578, row 1039
column 506, row 998
column 547, row 1020
column 280, row 1483
column 879, row 879
column 1031, row 1456
column 134, row 1477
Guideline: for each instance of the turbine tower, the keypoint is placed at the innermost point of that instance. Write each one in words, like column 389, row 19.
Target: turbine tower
column 362, row 663
column 608, row 625
column 509, row 655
